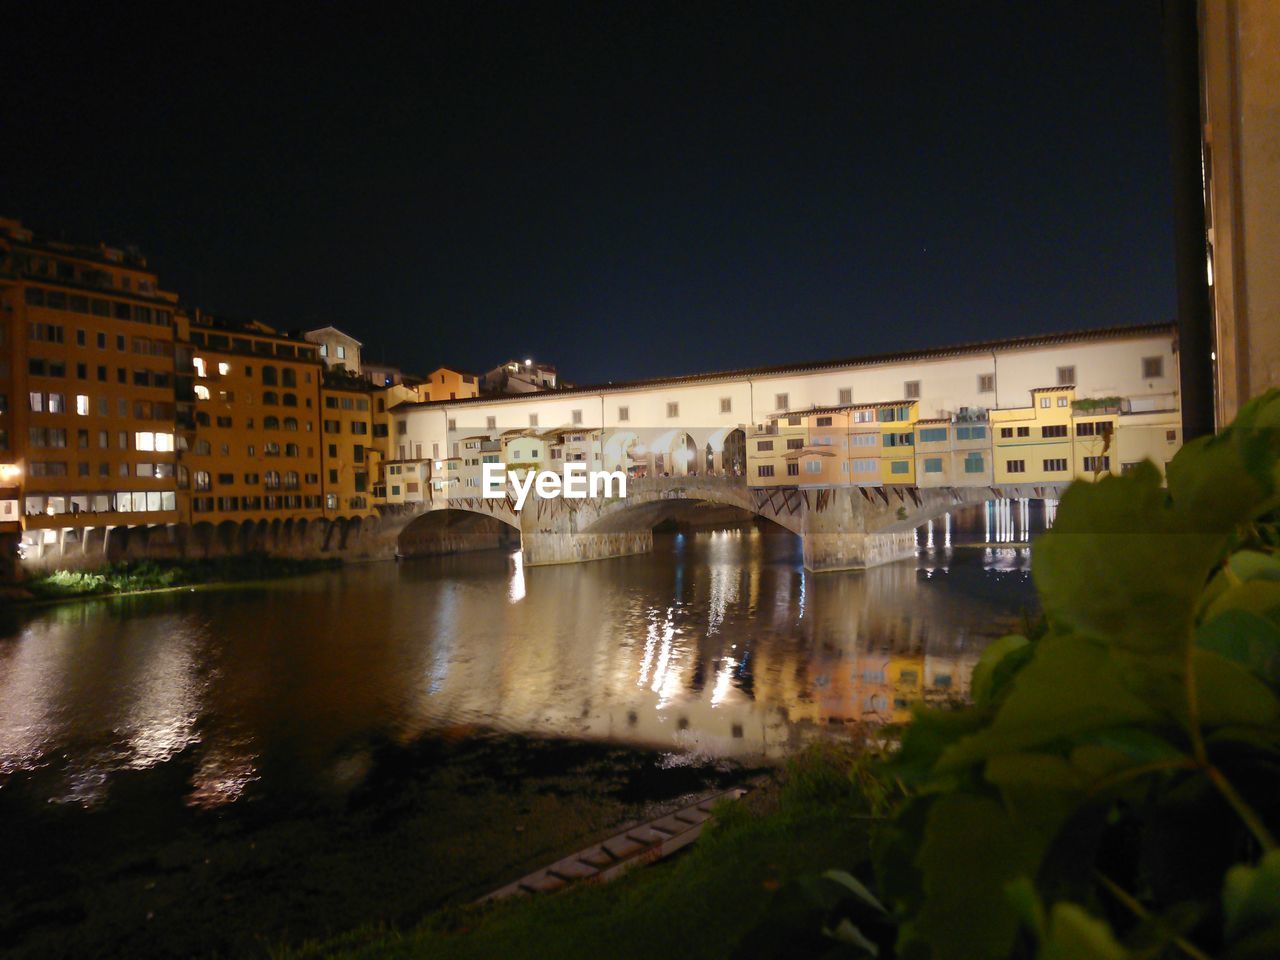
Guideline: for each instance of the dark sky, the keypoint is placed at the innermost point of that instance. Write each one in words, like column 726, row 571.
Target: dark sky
column 633, row 190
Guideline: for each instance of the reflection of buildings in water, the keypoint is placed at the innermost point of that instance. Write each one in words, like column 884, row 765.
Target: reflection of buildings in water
column 711, row 667
column 34, row 673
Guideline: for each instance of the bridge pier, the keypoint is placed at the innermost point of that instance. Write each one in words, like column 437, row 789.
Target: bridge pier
column 856, row 551
column 544, row 548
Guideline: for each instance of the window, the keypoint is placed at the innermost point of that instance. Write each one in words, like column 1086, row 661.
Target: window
column 900, row 466
column 813, row 466
column 333, row 426
column 1097, row 464
column 673, row 410
column 764, row 445
column 1152, row 368
column 726, row 404
column 624, row 414
column 1094, row 428
column 1015, row 466
column 271, row 479
column 342, row 352
column 846, row 396
column 795, row 443
column 973, row 463
column 823, row 422
column 866, row 466
column 1006, row 432
column 933, row 465
column 202, row 480
column 1024, row 431
column 491, row 423
column 1066, row 376
column 781, row 401
column 933, row 435
column 1056, row 465
column 986, row 383
column 533, row 419
column 764, row 470
column 911, row 389
column 270, row 376
column 793, row 469
column 1171, row 436
column 1055, row 430
column 1044, row 402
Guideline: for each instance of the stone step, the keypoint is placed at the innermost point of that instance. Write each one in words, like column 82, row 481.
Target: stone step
column 616, row 855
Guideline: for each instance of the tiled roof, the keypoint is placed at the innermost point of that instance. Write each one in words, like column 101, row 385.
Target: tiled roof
column 933, row 353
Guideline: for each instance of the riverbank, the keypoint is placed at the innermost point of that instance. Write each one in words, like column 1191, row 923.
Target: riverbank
column 434, row 823
column 151, row 576
column 758, row 859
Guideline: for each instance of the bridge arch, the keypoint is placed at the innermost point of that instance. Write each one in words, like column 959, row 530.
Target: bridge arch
column 458, row 528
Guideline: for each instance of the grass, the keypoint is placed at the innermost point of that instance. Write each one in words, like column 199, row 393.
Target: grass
column 706, row 902
column 136, row 576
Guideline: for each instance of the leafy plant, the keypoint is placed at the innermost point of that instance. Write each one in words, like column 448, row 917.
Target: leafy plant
column 1113, row 791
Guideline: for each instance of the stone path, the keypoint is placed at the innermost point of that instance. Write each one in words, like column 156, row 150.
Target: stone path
column 611, row 858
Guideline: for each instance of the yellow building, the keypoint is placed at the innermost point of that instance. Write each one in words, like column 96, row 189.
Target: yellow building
column 253, row 438
column 448, row 383
column 1061, row 437
column 1034, row 444
column 897, row 441
column 767, row 447
column 86, row 389
column 348, row 456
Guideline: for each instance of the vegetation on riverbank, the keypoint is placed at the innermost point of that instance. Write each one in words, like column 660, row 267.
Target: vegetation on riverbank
column 136, row 576
column 703, row 903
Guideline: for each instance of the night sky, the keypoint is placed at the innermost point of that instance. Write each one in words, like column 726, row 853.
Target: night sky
column 625, row 190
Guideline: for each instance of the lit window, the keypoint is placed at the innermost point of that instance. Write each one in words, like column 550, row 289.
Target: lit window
column 82, row 405
column 144, row 440
column 202, row 369
column 342, row 352
column 224, row 368
column 202, row 392
column 164, row 442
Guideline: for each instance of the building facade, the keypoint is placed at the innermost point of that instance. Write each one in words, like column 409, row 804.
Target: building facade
column 87, row 389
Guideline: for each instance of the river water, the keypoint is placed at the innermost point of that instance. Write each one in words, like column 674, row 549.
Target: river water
column 715, row 652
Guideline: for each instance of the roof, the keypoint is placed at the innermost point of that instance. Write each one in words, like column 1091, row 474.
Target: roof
column 870, row 360
column 458, row 370
column 1061, row 386
column 341, row 333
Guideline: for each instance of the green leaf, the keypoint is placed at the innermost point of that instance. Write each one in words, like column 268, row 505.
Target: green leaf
column 1230, row 695
column 1254, row 565
column 971, row 852
column 982, row 682
column 1261, row 597
column 1072, row 686
column 1122, row 565
column 1075, row 935
column 928, row 735
column 854, row 886
column 1251, row 897
column 1245, row 638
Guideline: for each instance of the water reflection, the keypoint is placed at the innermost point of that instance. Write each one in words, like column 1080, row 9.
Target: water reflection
column 717, row 642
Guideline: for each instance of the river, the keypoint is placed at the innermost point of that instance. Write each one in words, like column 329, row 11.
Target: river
column 141, row 735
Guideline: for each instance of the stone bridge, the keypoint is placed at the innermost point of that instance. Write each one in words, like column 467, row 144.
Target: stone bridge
column 842, row 528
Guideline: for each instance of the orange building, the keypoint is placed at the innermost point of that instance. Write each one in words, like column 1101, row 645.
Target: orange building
column 350, row 459
column 87, row 407
column 448, row 383
column 253, row 440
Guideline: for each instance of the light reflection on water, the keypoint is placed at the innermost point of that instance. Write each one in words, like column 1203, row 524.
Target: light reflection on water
column 718, row 643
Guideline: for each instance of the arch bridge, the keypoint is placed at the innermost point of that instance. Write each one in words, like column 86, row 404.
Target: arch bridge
column 842, row 528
